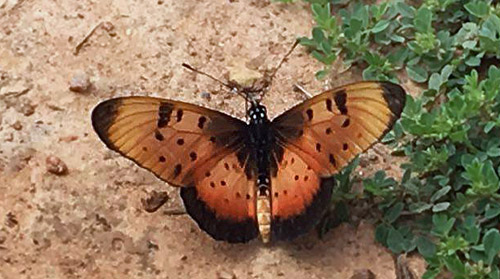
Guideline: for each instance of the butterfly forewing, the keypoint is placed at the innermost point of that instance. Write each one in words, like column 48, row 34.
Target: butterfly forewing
column 319, row 137
column 167, row 137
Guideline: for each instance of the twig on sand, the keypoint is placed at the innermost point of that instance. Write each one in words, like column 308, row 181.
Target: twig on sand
column 174, row 212
column 86, row 38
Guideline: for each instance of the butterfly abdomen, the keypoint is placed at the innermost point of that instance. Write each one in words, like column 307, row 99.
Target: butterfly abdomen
column 264, row 214
column 261, row 141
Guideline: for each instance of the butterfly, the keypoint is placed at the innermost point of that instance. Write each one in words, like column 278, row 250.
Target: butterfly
column 240, row 180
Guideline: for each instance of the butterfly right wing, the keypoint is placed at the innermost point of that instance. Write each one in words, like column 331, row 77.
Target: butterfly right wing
column 318, row 138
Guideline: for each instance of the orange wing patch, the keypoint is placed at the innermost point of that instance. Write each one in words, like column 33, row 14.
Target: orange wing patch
column 226, row 189
column 169, row 138
column 222, row 200
column 293, row 186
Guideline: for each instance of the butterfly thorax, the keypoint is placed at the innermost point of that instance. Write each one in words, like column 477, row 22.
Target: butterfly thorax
column 261, row 142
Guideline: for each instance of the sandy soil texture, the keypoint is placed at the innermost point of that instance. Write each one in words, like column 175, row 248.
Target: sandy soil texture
column 87, row 221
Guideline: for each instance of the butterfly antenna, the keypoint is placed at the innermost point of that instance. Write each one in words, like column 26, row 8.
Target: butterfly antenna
column 282, row 61
column 231, row 88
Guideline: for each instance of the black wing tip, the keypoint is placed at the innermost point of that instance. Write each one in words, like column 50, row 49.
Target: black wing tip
column 291, row 228
column 102, row 117
column 217, row 228
column 395, row 96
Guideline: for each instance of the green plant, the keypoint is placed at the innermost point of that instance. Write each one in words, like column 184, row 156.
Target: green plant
column 446, row 205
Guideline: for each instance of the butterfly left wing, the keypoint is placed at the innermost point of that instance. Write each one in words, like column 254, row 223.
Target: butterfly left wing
column 199, row 149
column 316, row 139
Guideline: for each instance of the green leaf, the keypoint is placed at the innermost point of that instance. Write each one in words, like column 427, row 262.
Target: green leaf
column 393, row 213
column 442, row 206
column 473, row 61
column 381, row 233
column 318, row 35
column 478, row 8
column 442, row 224
column 423, row 20
column 381, row 26
column 441, row 193
column 455, row 265
column 426, row 247
column 405, row 10
column 416, row 73
column 494, row 151
column 492, row 210
column 435, row 81
column 395, row 241
column 491, row 242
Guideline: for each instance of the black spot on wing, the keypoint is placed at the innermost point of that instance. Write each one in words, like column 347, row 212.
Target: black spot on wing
column 290, row 228
column 164, row 112
column 180, row 113
column 159, row 136
column 340, row 101
column 220, row 229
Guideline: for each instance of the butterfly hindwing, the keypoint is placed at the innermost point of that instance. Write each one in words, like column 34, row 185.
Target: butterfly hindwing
column 321, row 136
column 224, row 214
column 186, row 145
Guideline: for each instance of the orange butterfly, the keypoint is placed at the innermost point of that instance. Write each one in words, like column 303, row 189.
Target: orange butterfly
column 239, row 180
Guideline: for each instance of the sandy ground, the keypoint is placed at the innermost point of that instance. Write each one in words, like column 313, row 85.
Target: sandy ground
column 90, row 222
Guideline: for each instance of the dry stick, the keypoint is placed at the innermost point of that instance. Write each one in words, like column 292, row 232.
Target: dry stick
column 174, row 212
column 86, row 38
column 303, row 90
column 15, row 94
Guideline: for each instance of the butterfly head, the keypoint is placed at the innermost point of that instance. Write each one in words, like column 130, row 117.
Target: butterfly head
column 257, row 113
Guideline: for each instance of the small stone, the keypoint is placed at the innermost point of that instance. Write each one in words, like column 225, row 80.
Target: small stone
column 363, row 274
column 25, row 107
column 206, row 95
column 56, row 165
column 109, row 27
column 80, row 83
column 68, row 138
column 154, row 201
column 9, row 137
column 222, row 274
column 17, row 126
column 184, row 257
column 11, row 220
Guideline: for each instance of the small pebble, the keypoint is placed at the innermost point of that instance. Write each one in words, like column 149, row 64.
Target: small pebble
column 80, row 83
column 222, row 274
column 206, row 95
column 25, row 107
column 68, row 138
column 363, row 274
column 56, row 165
column 109, row 27
column 11, row 220
column 155, row 201
column 17, row 126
